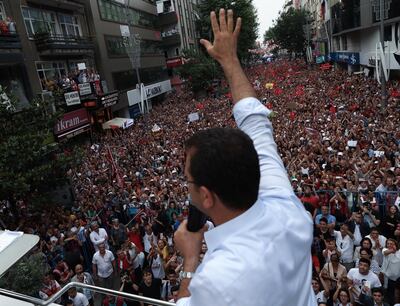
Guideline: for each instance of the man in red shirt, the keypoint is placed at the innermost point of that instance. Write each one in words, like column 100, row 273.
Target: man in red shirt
column 309, row 197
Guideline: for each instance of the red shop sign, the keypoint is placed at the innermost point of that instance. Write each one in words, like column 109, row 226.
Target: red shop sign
column 71, row 120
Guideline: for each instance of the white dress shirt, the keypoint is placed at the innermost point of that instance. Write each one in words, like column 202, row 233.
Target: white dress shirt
column 98, row 238
column 261, row 257
column 345, row 246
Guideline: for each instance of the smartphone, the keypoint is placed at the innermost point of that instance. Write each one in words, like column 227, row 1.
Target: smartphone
column 196, row 219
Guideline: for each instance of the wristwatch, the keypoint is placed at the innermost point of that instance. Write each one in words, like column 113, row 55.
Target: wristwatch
column 187, row 275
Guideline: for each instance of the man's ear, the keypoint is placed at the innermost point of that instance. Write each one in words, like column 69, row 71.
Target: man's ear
column 207, row 197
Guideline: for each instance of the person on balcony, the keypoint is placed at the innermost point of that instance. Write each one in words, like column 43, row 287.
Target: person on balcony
column 259, row 251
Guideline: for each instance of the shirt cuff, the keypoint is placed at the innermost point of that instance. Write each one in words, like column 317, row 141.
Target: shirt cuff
column 247, row 106
column 185, row 301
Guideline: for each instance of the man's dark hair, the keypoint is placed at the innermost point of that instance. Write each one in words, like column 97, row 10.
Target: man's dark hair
column 323, row 219
column 378, row 289
column 364, row 260
column 147, row 270
column 226, row 162
column 369, row 251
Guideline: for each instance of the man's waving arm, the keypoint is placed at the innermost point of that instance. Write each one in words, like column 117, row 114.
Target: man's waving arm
column 251, row 116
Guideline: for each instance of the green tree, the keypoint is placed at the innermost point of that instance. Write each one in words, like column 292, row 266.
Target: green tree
column 199, row 71
column 31, row 163
column 26, row 275
column 241, row 8
column 287, row 32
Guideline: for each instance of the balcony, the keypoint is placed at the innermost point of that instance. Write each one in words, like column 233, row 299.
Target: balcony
column 69, row 5
column 171, row 38
column 10, row 41
column 167, row 18
column 48, row 44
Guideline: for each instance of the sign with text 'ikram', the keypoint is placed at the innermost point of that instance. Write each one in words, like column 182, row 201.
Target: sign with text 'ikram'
column 72, row 98
column 71, row 120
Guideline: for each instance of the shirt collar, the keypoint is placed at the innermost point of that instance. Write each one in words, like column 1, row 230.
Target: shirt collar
column 223, row 231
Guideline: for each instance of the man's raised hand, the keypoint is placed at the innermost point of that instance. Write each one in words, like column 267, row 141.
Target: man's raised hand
column 224, row 47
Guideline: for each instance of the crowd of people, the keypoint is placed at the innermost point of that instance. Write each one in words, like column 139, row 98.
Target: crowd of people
column 341, row 152
column 70, row 81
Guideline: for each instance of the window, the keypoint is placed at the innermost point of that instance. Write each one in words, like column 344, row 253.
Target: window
column 125, row 80
column 344, row 42
column 2, row 11
column 50, row 72
column 116, row 47
column 38, row 21
column 117, row 13
column 69, row 25
column 388, row 33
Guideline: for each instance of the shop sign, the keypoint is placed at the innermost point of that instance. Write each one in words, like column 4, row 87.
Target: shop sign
column 109, row 99
column 71, row 120
column 85, row 89
column 174, row 62
column 320, row 59
column 153, row 91
column 72, row 98
column 352, row 58
column 75, row 132
column 150, row 91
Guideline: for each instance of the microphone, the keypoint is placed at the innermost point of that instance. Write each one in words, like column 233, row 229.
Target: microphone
column 196, row 219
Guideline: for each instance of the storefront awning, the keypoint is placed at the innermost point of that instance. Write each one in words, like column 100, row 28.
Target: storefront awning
column 117, row 123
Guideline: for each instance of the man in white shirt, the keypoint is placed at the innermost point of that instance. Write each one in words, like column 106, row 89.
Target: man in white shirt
column 363, row 279
column 98, row 236
column 259, row 251
column 345, row 245
column 104, row 266
column 378, row 243
column 149, row 239
column 79, row 299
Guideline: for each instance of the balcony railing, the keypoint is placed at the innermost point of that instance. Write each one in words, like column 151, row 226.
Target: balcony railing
column 48, row 43
column 167, row 18
column 10, row 41
column 171, row 40
column 56, row 296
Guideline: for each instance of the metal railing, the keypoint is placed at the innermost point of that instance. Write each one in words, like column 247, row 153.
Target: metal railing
column 56, row 296
column 352, row 198
column 47, row 40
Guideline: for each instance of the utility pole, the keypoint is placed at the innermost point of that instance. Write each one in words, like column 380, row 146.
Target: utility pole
column 132, row 45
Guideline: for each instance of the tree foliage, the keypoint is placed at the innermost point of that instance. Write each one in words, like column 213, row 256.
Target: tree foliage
column 241, row 8
column 199, row 71
column 31, row 163
column 26, row 275
column 287, row 32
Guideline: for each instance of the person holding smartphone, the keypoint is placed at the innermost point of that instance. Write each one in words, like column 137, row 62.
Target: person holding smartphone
column 259, row 251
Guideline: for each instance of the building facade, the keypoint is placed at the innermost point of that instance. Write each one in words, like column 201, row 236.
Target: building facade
column 113, row 54
column 40, row 42
column 74, row 49
column 177, row 21
column 349, row 31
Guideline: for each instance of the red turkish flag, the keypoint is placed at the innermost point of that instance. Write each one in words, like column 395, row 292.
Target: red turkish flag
column 292, row 115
